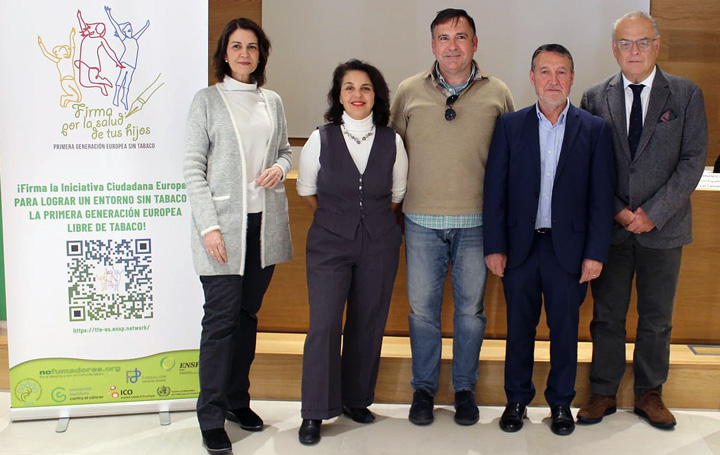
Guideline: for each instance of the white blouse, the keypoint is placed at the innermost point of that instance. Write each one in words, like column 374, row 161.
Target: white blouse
column 310, row 157
column 248, row 109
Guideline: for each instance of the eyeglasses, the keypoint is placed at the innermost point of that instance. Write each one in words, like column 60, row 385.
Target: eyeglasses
column 450, row 113
column 642, row 44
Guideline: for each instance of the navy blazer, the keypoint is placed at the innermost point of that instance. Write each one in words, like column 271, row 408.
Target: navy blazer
column 582, row 196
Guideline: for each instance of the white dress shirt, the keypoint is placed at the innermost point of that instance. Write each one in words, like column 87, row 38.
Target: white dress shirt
column 644, row 97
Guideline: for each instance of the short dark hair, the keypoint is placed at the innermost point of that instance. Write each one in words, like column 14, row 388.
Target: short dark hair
column 381, row 108
column 222, row 68
column 451, row 14
column 556, row 48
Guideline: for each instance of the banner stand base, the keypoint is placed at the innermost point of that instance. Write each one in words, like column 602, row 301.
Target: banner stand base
column 62, row 424
column 104, row 409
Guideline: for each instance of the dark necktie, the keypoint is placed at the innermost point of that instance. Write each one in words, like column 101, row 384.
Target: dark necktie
column 636, row 119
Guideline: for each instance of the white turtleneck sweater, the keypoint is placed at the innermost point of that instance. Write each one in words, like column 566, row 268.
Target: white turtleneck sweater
column 249, row 112
column 310, row 157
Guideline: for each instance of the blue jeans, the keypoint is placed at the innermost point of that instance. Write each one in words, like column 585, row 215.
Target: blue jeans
column 429, row 253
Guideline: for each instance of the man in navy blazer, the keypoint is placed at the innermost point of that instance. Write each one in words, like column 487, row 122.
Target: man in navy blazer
column 547, row 222
column 659, row 133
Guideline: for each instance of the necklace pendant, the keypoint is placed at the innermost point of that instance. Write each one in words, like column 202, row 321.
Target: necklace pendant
column 357, row 140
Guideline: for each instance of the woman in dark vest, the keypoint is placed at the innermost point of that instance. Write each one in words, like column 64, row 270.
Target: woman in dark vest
column 352, row 175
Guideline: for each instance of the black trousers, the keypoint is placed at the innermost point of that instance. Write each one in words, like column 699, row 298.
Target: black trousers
column 229, row 329
column 656, row 274
column 542, row 277
column 361, row 272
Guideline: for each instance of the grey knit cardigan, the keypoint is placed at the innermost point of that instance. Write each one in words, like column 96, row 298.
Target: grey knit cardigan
column 214, row 169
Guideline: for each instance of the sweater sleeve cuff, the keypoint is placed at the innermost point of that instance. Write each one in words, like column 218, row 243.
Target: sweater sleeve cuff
column 210, row 229
column 282, row 169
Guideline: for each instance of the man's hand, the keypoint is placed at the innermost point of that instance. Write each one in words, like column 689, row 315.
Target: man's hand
column 496, row 263
column 641, row 223
column 625, row 217
column 590, row 270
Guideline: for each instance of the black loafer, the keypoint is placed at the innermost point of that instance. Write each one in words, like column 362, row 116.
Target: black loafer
column 359, row 415
column 216, row 441
column 246, row 418
column 309, row 432
column 562, row 420
column 421, row 410
column 512, row 418
column 466, row 410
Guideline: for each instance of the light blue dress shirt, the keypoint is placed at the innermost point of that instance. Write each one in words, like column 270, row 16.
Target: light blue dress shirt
column 551, row 140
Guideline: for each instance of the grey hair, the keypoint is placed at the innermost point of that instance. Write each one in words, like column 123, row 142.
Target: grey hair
column 556, row 48
column 633, row 15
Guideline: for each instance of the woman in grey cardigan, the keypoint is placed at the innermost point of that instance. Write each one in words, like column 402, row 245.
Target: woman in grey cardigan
column 236, row 156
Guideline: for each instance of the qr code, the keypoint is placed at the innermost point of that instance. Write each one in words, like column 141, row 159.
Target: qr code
column 109, row 279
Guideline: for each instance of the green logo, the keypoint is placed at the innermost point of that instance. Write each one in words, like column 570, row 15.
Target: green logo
column 28, row 391
column 163, row 391
column 58, row 394
column 167, row 363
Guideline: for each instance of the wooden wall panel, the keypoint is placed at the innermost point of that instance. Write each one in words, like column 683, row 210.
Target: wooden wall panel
column 220, row 12
column 690, row 32
column 686, row 15
column 696, row 320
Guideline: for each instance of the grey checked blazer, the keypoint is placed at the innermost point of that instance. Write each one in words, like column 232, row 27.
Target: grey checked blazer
column 669, row 160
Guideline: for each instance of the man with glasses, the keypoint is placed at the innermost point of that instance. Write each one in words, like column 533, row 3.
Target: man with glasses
column 660, row 143
column 547, row 222
column 446, row 117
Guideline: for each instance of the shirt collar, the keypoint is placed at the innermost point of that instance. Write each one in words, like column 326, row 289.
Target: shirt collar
column 561, row 119
column 451, row 87
column 479, row 74
column 647, row 82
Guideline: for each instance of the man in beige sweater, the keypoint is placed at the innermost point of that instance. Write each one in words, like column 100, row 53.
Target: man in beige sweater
column 446, row 117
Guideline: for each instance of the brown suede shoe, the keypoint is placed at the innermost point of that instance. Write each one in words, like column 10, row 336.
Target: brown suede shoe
column 597, row 407
column 650, row 406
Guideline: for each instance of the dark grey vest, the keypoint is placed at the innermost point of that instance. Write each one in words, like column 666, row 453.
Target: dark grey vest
column 347, row 198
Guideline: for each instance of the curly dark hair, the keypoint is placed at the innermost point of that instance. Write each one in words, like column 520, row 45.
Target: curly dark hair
column 222, row 68
column 381, row 108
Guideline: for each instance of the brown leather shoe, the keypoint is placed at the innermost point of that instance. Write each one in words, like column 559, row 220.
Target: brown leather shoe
column 650, row 406
column 597, row 407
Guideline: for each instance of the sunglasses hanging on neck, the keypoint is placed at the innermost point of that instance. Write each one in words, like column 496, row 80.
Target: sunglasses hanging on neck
column 450, row 113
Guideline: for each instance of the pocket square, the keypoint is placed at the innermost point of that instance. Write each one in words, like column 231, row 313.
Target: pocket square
column 667, row 116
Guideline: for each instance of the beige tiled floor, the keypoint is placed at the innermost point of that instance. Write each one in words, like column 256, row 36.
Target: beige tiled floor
column 697, row 433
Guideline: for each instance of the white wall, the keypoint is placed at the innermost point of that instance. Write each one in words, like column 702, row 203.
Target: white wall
column 311, row 37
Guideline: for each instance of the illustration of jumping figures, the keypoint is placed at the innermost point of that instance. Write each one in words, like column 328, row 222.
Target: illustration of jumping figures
column 128, row 59
column 89, row 64
column 62, row 56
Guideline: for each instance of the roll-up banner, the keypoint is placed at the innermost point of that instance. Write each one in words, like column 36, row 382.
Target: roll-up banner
column 103, row 307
